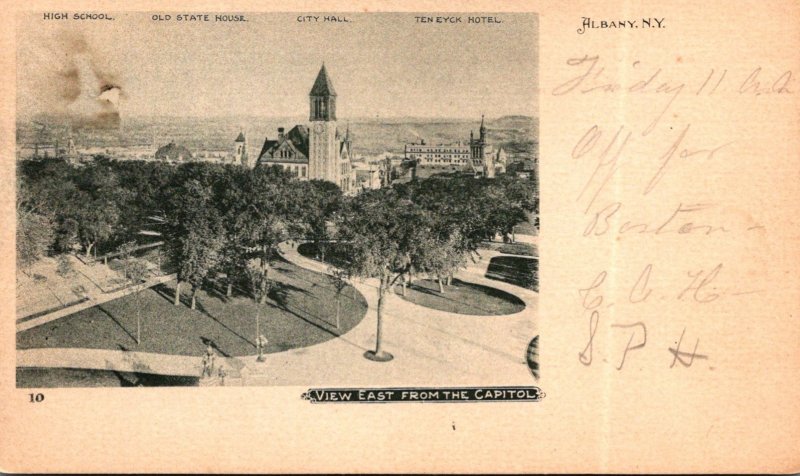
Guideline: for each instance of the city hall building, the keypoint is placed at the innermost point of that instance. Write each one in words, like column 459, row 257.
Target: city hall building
column 316, row 151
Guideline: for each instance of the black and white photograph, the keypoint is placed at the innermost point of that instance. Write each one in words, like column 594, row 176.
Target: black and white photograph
column 277, row 199
column 312, row 237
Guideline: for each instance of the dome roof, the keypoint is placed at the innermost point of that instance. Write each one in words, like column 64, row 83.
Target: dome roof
column 173, row 152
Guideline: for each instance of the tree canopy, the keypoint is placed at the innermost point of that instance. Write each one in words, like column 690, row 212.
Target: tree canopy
column 216, row 219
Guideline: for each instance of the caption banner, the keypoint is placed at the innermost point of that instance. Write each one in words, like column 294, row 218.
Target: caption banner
column 424, row 395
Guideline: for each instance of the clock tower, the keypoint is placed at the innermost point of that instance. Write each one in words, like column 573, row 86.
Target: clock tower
column 323, row 156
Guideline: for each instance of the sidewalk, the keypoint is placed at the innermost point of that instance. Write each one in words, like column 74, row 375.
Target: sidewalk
column 531, row 239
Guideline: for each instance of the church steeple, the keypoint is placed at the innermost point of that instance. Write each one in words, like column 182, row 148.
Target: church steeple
column 482, row 131
column 323, row 98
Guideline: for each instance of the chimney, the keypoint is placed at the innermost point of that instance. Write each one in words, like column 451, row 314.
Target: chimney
column 280, row 133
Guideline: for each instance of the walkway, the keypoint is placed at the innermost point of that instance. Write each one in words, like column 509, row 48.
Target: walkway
column 431, row 347
column 530, row 239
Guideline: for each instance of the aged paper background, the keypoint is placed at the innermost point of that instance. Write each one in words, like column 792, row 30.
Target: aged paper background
column 735, row 410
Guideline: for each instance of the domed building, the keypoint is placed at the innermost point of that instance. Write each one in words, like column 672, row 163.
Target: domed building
column 173, row 153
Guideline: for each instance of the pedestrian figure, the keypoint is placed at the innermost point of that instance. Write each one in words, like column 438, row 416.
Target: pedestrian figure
column 222, row 374
column 206, row 371
column 208, row 362
column 210, row 354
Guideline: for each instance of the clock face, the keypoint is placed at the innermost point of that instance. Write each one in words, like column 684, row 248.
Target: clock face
column 318, row 127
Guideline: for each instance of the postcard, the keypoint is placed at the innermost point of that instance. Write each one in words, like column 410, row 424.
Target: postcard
column 400, row 237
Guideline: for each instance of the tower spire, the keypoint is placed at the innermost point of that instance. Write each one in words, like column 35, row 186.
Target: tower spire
column 323, row 85
column 322, row 98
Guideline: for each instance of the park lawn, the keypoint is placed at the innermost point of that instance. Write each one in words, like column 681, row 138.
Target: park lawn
column 516, row 270
column 299, row 312
column 333, row 253
column 462, row 298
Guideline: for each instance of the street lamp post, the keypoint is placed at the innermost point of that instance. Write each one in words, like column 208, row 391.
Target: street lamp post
column 262, row 342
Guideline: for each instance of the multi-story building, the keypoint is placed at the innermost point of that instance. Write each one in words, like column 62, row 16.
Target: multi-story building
column 318, row 151
column 443, row 154
column 477, row 157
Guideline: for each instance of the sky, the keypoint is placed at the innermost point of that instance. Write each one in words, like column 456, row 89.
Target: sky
column 381, row 64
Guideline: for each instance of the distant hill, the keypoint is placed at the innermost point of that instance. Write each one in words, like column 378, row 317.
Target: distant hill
column 371, row 136
column 512, row 121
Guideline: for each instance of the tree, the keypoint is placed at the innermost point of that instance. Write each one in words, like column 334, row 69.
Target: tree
column 260, row 287
column 96, row 222
column 477, row 208
column 503, row 212
column 320, row 200
column 66, row 235
column 85, row 202
column 338, row 278
column 144, row 187
column 455, row 203
column 265, row 236
column 441, row 257
column 379, row 231
column 125, row 251
column 266, row 217
column 96, row 205
column 229, row 198
column 200, row 254
column 35, row 230
column 194, row 236
column 233, row 255
column 34, row 237
column 138, row 273
column 455, row 255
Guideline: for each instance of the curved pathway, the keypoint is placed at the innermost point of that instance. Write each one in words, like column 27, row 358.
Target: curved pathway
column 431, row 347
